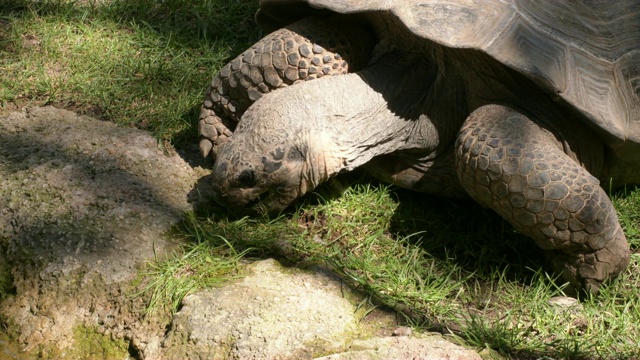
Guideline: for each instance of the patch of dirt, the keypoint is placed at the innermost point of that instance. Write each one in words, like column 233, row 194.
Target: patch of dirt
column 315, row 222
column 30, row 41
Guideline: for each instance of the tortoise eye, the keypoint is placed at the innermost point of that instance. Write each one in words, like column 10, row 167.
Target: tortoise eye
column 247, row 179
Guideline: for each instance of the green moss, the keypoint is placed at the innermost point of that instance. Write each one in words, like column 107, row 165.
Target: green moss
column 90, row 344
column 6, row 282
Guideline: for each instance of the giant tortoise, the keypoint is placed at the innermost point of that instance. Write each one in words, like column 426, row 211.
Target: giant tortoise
column 528, row 107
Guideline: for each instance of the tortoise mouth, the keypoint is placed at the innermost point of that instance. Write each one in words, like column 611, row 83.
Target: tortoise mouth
column 272, row 201
column 256, row 201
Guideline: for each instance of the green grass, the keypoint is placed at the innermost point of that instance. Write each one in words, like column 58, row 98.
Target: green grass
column 207, row 260
column 444, row 265
column 142, row 63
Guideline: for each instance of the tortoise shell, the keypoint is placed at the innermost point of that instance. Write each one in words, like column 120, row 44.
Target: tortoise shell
column 587, row 52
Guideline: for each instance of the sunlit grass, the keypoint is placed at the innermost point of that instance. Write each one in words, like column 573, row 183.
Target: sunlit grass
column 207, row 260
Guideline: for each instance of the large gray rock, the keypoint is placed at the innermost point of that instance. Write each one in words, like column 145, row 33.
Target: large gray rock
column 84, row 204
column 283, row 313
column 272, row 313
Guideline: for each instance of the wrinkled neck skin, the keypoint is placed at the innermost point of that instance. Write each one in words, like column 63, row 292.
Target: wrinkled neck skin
column 295, row 138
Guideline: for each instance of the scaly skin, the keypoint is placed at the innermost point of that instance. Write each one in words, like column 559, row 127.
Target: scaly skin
column 399, row 118
column 306, row 50
column 510, row 164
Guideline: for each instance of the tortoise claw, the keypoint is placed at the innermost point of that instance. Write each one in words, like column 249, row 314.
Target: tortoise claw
column 213, row 132
column 205, row 147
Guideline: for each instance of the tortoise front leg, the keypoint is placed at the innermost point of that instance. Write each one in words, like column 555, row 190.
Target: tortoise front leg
column 306, row 50
column 510, row 164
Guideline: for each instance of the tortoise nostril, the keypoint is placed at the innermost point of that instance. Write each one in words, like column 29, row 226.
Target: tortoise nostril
column 247, row 179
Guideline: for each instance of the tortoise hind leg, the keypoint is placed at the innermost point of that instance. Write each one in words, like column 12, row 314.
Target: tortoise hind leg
column 305, row 50
column 512, row 165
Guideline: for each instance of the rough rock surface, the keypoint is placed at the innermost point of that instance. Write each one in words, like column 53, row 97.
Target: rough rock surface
column 84, row 203
column 431, row 347
column 270, row 313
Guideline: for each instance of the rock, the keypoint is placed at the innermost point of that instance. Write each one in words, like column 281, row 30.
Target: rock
column 431, row 347
column 565, row 303
column 85, row 204
column 273, row 313
column 278, row 313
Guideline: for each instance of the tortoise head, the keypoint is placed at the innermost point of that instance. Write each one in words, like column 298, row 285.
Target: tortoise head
column 265, row 169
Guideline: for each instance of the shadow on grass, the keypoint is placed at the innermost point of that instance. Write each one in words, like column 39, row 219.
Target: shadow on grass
column 476, row 238
column 228, row 21
column 198, row 31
